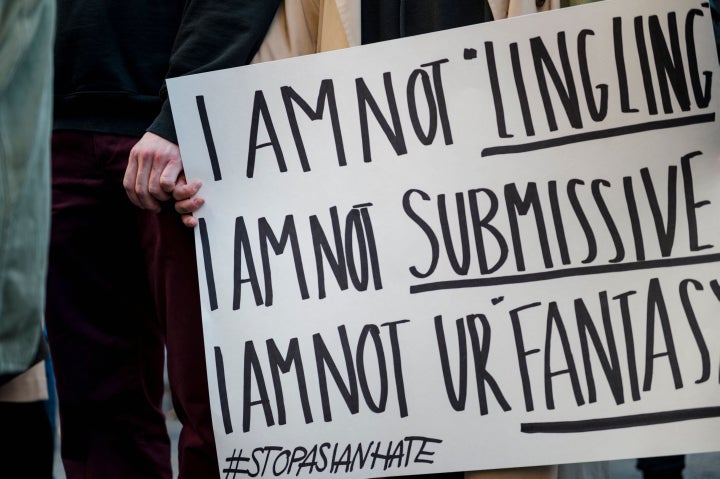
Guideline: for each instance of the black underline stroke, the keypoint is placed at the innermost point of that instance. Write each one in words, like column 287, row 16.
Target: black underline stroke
column 619, row 422
column 597, row 135
column 564, row 273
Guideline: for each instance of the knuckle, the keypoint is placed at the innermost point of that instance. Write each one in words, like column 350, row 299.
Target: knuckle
column 155, row 190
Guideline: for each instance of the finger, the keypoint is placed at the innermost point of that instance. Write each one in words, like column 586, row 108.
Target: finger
column 142, row 183
column 170, row 174
column 129, row 179
column 190, row 221
column 190, row 205
column 155, row 187
column 184, row 191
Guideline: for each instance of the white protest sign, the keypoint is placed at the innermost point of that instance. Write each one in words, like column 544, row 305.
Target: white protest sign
column 486, row 247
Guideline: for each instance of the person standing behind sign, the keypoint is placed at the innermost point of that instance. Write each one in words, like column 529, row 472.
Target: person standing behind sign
column 308, row 26
column 122, row 280
column 302, row 27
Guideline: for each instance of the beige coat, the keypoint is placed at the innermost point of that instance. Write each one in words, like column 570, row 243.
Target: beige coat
column 302, row 27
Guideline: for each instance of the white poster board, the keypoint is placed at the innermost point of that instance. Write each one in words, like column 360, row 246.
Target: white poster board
column 486, row 247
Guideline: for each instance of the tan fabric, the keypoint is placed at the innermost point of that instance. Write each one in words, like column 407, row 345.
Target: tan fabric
column 349, row 16
column 301, row 27
column 28, row 387
column 512, row 8
column 293, row 31
column 332, row 31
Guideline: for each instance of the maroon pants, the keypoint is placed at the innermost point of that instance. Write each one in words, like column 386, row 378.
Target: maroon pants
column 122, row 285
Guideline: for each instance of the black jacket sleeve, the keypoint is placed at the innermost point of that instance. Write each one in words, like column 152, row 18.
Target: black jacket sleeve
column 214, row 35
